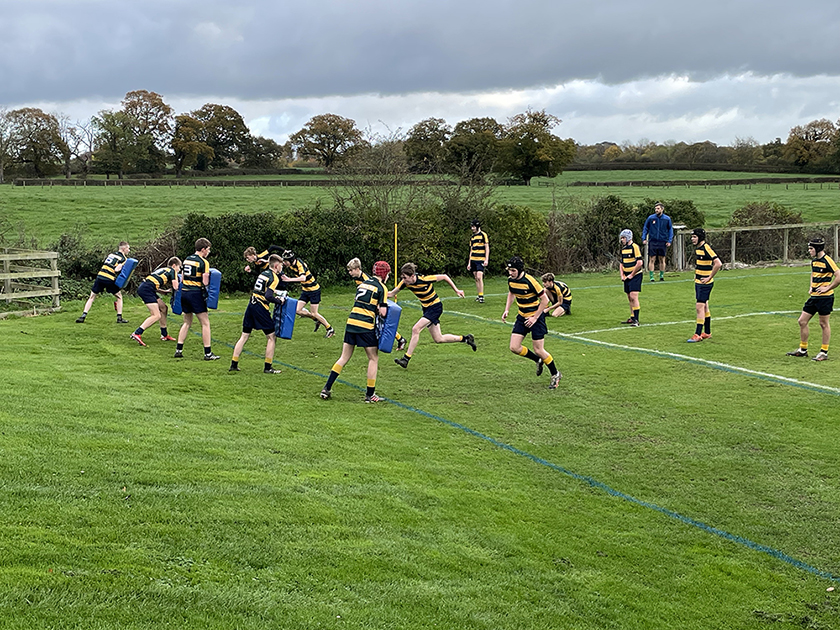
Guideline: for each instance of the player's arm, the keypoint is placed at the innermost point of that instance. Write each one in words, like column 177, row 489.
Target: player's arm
column 400, row 286
column 834, row 283
column 443, row 276
column 486, row 253
column 507, row 305
column 716, row 265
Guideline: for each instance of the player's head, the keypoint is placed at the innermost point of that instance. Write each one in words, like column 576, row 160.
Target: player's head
column 174, row 262
column 250, row 254
column 547, row 279
column 515, row 267
column 626, row 236
column 381, row 270
column 202, row 244
column 275, row 262
column 289, row 256
column 698, row 235
column 407, row 272
column 817, row 243
column 475, row 225
column 124, row 247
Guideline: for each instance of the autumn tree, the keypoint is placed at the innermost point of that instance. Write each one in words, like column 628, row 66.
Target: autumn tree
column 529, row 149
column 186, row 143
column 809, row 146
column 224, row 131
column 425, row 145
column 36, row 140
column 153, row 120
column 263, row 153
column 6, row 142
column 329, row 139
column 473, row 148
column 119, row 149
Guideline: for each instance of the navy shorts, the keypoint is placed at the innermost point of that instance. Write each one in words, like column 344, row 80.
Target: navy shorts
column 476, row 265
column 100, row 285
column 365, row 339
column 821, row 305
column 312, row 297
column 702, row 291
column 193, row 302
column 147, row 292
column 634, row 284
column 257, row 317
column 538, row 331
column 433, row 313
column 657, row 248
column 567, row 306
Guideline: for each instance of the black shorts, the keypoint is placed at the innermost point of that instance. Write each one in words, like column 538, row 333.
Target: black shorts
column 821, row 305
column 257, row 317
column 100, row 285
column 148, row 292
column 365, row 339
column 476, row 265
column 634, row 284
column 702, row 291
column 657, row 248
column 433, row 313
column 193, row 302
column 567, row 306
column 538, row 331
column 312, row 297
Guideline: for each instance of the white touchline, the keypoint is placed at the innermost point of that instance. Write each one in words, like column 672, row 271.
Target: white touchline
column 685, row 321
column 683, row 357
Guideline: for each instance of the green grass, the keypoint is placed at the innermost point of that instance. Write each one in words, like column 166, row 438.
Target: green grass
column 141, row 492
column 137, row 214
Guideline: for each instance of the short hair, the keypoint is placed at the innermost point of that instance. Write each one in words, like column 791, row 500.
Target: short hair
column 174, row 261
column 547, row 277
column 123, row 243
column 659, row 203
column 274, row 259
column 355, row 263
column 408, row 269
column 201, row 244
column 250, row 251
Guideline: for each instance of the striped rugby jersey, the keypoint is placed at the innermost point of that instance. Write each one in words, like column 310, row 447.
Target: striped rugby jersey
column 478, row 246
column 108, row 271
column 266, row 280
column 559, row 293
column 370, row 295
column 423, row 288
column 299, row 268
column 194, row 269
column 161, row 277
column 528, row 291
column 630, row 253
column 822, row 273
column 704, row 258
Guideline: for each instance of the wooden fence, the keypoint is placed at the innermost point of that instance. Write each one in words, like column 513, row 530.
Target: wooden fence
column 16, row 270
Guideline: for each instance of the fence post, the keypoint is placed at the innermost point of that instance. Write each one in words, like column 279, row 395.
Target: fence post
column 732, row 248
column 7, row 269
column 785, row 253
column 57, row 296
column 836, row 226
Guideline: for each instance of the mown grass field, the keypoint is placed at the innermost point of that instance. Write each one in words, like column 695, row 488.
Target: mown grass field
column 663, row 485
column 137, row 214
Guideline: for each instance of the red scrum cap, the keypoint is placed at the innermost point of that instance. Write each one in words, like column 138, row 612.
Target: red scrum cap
column 381, row 269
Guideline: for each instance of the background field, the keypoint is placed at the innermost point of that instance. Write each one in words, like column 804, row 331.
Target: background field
column 663, row 484
column 138, row 214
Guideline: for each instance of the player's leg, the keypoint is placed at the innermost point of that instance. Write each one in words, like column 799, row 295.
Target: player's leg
column 372, row 353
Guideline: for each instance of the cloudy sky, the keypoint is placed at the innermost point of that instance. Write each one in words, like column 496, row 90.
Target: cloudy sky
column 614, row 70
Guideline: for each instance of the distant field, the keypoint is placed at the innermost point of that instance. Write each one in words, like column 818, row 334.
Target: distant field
column 663, row 485
column 138, row 213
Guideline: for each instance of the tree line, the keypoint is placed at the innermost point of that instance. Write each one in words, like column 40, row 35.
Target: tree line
column 146, row 136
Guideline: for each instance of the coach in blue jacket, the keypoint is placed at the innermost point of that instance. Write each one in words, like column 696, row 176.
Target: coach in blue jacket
column 657, row 235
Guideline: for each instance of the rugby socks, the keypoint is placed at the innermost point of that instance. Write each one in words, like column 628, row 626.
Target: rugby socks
column 208, row 350
column 699, row 327
column 267, row 366
column 234, row 363
column 179, row 347
column 164, row 332
column 824, row 348
column 651, row 276
column 139, row 332
column 371, row 387
column 336, row 370
column 803, row 345
column 661, row 276
column 528, row 354
column 707, row 324
column 549, row 363
column 636, row 314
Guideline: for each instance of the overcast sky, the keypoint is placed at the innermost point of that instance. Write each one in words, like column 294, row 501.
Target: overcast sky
column 612, row 70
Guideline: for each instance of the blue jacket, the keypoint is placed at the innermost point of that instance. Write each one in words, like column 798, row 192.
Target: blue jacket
column 659, row 229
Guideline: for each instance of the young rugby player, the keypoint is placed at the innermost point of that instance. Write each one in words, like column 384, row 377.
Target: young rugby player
column 196, row 277
column 423, row 287
column 258, row 314
column 706, row 266
column 825, row 277
column 530, row 320
column 155, row 282
column 631, row 274
column 354, row 268
column 371, row 302
column 310, row 292
column 479, row 257
column 106, row 281
column 559, row 296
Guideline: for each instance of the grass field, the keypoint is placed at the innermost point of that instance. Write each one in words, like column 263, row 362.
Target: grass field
column 663, row 485
column 137, row 214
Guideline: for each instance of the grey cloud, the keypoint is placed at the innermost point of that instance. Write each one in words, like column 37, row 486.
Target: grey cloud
column 54, row 50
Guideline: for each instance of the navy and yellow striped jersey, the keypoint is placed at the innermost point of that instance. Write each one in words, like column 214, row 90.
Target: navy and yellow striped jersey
column 560, row 292
column 704, row 258
column 822, row 273
column 528, row 291
column 630, row 255
column 478, row 246
column 266, row 280
column 194, row 269
column 109, row 271
column 161, row 277
column 423, row 288
column 370, row 295
column 362, row 278
column 299, row 268
column 261, row 263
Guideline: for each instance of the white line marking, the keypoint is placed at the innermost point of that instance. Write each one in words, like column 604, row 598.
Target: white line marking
column 686, row 321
